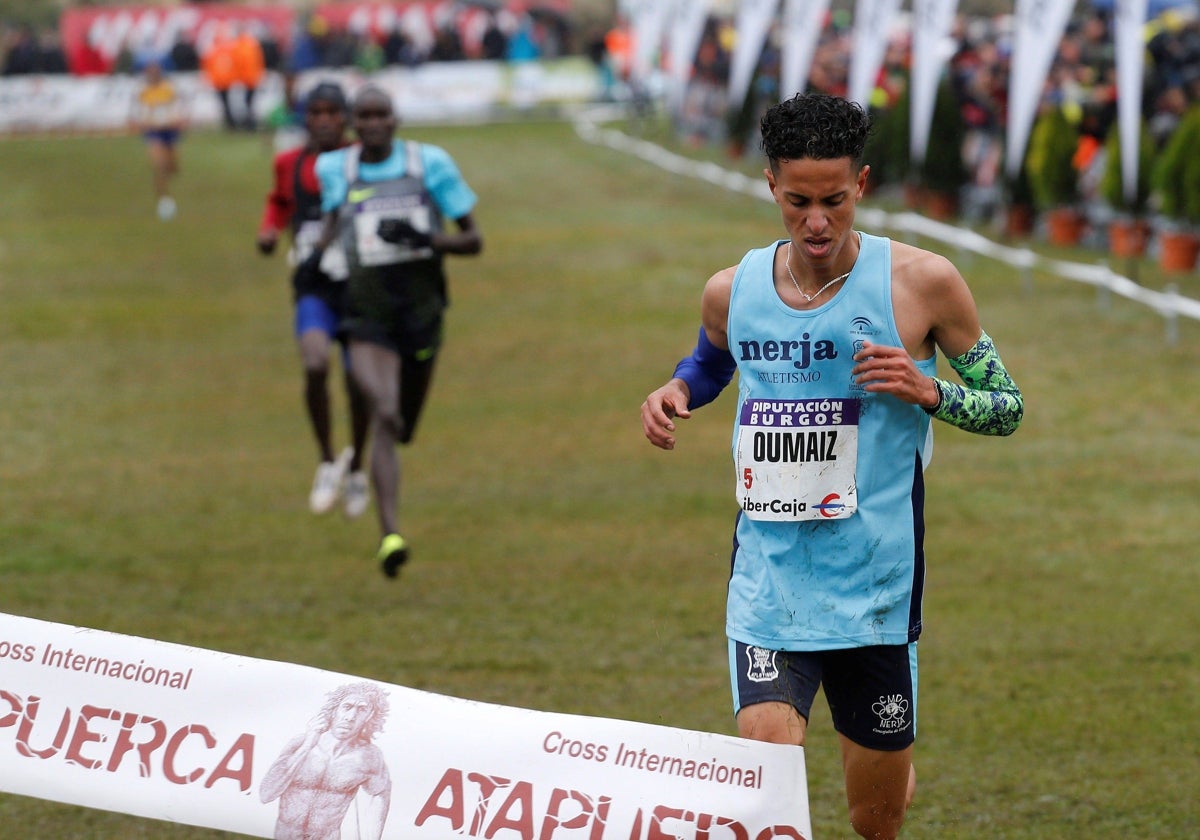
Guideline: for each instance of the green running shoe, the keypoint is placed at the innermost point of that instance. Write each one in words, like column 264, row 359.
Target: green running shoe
column 392, row 554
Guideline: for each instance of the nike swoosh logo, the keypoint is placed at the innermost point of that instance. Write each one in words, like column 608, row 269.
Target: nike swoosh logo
column 355, row 196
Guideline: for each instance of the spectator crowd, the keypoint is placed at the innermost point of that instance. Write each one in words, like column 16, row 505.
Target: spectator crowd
column 318, row 42
column 1082, row 79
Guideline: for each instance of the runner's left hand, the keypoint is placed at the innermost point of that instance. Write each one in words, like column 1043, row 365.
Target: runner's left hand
column 400, row 232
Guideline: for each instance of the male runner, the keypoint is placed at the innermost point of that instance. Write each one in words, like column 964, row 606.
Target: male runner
column 294, row 204
column 834, row 335
column 385, row 201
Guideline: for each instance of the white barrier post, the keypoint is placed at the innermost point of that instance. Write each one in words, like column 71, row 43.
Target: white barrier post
column 1025, row 261
column 1172, row 313
column 1104, row 290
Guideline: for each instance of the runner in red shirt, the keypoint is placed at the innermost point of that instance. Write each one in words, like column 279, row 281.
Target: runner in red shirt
column 294, row 204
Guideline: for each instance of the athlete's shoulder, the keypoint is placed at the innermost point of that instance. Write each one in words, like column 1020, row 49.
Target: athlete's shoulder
column 331, row 162
column 333, row 156
column 766, row 252
column 437, row 159
column 288, row 158
column 911, row 264
column 431, row 151
column 714, row 300
column 721, row 280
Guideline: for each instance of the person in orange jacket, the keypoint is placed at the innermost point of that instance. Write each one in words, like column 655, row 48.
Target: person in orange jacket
column 219, row 68
column 249, row 66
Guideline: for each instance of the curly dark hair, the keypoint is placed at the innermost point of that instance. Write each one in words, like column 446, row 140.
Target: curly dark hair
column 817, row 126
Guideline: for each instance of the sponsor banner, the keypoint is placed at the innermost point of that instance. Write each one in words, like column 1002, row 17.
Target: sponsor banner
column 421, row 21
column 176, row 733
column 93, row 36
column 873, row 21
column 683, row 40
column 1129, row 21
column 455, row 91
column 803, row 23
column 932, row 47
column 57, row 103
column 753, row 23
column 1039, row 29
column 648, row 19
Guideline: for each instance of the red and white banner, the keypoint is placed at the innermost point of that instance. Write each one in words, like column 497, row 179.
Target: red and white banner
column 190, row 736
column 93, row 36
column 421, row 21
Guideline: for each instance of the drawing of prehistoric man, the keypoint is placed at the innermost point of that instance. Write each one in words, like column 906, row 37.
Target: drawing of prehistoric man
column 318, row 774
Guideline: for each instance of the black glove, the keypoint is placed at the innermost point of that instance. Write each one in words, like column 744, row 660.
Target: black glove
column 400, row 232
column 308, row 271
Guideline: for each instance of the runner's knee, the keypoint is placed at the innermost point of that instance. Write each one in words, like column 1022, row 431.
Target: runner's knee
column 877, row 820
column 880, row 817
column 315, row 372
column 389, row 422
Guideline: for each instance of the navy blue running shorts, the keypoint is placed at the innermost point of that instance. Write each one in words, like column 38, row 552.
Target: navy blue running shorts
column 871, row 691
column 314, row 312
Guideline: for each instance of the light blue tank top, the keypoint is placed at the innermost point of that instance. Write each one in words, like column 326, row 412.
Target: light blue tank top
column 828, row 584
column 445, row 183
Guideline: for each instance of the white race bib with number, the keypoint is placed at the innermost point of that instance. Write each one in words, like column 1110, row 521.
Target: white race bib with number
column 374, row 251
column 796, row 459
column 333, row 261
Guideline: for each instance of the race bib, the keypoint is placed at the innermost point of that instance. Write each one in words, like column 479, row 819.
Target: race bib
column 374, row 251
column 796, row 459
column 333, row 261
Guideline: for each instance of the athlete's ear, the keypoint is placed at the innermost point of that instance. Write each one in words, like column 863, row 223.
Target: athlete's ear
column 771, row 182
column 862, row 179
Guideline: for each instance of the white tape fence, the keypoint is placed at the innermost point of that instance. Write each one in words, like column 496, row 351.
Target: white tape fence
column 1170, row 304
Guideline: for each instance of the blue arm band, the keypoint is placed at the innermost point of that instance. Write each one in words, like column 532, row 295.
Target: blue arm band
column 990, row 404
column 707, row 371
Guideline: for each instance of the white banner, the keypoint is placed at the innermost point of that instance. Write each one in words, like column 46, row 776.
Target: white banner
column 872, row 28
column 932, row 47
column 683, row 41
column 803, row 22
column 270, row 749
column 753, row 22
column 1129, row 19
column 1039, row 28
column 649, row 18
column 465, row 91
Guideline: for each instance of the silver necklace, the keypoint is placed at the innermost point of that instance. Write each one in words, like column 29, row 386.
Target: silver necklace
column 810, row 298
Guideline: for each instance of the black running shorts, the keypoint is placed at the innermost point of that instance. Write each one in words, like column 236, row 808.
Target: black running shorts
column 871, row 691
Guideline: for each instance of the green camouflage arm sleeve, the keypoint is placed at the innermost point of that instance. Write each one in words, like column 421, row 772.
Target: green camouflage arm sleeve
column 991, row 402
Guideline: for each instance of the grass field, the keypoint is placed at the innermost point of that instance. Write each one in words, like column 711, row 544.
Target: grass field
column 155, row 462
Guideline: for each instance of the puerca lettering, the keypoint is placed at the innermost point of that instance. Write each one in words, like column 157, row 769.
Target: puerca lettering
column 108, row 740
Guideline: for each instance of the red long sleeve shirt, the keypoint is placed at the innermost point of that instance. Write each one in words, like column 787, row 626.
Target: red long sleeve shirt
column 281, row 200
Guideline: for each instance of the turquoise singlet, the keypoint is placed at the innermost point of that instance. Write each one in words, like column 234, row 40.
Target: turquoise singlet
column 828, row 546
